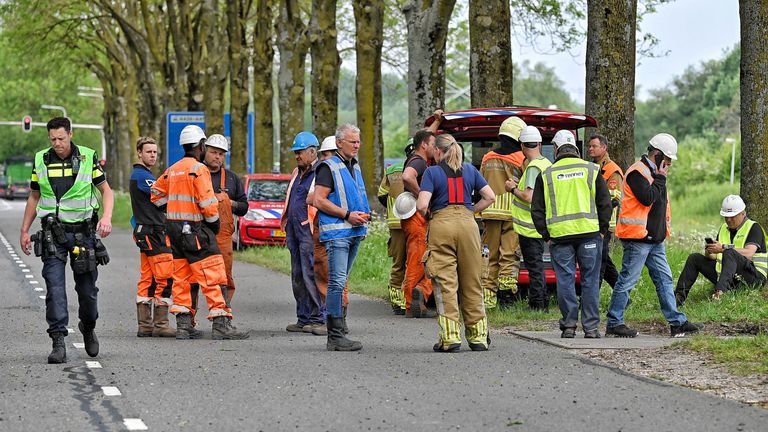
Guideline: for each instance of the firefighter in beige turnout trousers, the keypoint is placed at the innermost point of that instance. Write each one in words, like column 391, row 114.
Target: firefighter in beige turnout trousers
column 453, row 260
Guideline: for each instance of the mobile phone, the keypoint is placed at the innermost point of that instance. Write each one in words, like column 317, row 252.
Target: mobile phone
column 709, row 240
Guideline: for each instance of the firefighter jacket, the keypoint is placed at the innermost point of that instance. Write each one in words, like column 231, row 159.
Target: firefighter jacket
column 497, row 169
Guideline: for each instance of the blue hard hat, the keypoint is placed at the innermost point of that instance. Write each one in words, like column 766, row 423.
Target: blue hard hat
column 304, row 140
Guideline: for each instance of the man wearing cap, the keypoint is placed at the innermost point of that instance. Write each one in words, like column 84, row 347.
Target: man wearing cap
column 736, row 257
column 531, row 243
column 499, row 165
column 644, row 224
column 571, row 210
column 229, row 190
column 295, row 221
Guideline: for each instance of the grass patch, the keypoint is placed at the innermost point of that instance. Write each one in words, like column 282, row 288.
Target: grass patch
column 742, row 355
column 122, row 213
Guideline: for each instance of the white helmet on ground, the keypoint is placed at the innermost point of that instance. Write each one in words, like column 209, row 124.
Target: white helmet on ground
column 665, row 143
column 328, row 144
column 564, row 136
column 732, row 205
column 405, row 205
column 191, row 134
column 530, row 134
column 218, row 141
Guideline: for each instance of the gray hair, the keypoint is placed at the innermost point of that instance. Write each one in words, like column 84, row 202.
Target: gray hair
column 346, row 127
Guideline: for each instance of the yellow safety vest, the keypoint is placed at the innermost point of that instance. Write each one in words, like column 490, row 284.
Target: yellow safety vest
column 521, row 212
column 739, row 241
column 392, row 186
column 569, row 196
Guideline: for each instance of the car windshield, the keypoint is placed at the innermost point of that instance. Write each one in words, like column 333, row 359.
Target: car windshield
column 267, row 190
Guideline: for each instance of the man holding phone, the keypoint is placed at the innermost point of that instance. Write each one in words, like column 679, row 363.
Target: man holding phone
column 737, row 257
column 644, row 224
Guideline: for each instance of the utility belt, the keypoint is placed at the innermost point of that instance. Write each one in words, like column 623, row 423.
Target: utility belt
column 54, row 235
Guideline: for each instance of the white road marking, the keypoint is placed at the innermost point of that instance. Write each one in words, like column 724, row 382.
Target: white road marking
column 134, row 424
column 78, row 345
column 33, row 282
column 93, row 364
column 111, row 391
column 28, row 276
column 70, row 330
column 25, row 270
column 41, row 297
column 21, row 264
column 39, row 289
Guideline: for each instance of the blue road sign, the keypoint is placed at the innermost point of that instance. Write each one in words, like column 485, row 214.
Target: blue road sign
column 176, row 121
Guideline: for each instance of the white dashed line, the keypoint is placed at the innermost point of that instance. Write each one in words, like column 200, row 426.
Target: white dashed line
column 93, row 364
column 41, row 297
column 34, row 282
column 39, row 289
column 28, row 276
column 111, row 391
column 134, row 424
column 70, row 330
column 21, row 264
column 25, row 270
column 79, row 345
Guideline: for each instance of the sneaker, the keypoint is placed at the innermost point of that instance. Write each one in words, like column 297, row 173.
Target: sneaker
column 452, row 348
column 568, row 333
column 295, row 328
column 592, row 334
column 685, row 329
column 621, row 331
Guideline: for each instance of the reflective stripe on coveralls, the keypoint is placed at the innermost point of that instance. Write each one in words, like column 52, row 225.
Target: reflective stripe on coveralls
column 760, row 260
column 578, row 214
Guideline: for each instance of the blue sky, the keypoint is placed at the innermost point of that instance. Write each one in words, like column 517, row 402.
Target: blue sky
column 692, row 31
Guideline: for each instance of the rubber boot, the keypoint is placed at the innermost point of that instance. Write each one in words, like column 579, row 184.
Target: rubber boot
column 162, row 326
column 89, row 339
column 344, row 328
column 144, row 316
column 59, row 352
column 224, row 330
column 184, row 329
column 336, row 339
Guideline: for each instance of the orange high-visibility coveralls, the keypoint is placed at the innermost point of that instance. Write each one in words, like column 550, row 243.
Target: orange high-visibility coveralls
column 186, row 189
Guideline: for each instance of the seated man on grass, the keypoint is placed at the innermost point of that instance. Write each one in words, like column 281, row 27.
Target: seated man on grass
column 736, row 257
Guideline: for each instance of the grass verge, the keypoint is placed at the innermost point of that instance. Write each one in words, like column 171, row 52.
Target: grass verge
column 740, row 355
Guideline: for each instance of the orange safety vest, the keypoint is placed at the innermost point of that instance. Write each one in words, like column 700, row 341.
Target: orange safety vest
column 517, row 158
column 610, row 168
column 311, row 210
column 633, row 218
column 187, row 190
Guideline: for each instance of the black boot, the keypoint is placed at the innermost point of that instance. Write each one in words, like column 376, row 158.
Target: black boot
column 336, row 339
column 184, row 328
column 89, row 339
column 59, row 352
column 223, row 329
column 344, row 328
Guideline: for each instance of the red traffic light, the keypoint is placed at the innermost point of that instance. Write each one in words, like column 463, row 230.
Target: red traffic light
column 26, row 123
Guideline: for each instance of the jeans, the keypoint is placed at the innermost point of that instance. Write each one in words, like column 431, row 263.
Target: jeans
column 533, row 250
column 309, row 305
column 608, row 271
column 654, row 256
column 56, row 313
column 341, row 256
column 564, row 256
column 735, row 270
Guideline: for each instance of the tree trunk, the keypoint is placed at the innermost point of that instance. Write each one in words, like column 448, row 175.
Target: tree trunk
column 263, row 57
column 325, row 67
column 237, row 12
column 490, row 62
column 610, row 83
column 214, row 64
column 369, row 24
column 293, row 44
column 427, row 22
column 754, row 108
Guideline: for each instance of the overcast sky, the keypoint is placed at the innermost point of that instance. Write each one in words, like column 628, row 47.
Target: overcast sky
column 691, row 30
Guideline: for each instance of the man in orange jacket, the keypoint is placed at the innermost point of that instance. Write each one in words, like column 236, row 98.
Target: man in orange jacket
column 192, row 223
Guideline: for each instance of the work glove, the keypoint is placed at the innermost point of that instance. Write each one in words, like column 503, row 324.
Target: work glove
column 102, row 256
column 213, row 226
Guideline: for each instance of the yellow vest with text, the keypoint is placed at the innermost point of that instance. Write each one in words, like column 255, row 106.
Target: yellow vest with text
column 79, row 202
column 760, row 260
column 569, row 197
column 522, row 222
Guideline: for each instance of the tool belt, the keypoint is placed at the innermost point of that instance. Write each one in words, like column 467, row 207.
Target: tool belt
column 54, row 234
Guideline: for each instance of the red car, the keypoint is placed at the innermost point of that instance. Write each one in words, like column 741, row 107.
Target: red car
column 266, row 202
column 480, row 128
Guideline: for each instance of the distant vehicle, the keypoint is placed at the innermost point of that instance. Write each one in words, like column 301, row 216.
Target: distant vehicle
column 480, row 128
column 266, row 202
column 3, row 185
column 18, row 173
column 17, row 190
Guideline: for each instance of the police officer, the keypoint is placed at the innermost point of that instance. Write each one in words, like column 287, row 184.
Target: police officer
column 156, row 271
column 572, row 209
column 192, row 216
column 63, row 198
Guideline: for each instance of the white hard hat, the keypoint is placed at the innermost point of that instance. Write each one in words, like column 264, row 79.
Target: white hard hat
column 564, row 136
column 218, row 141
column 329, row 143
column 191, row 134
column 665, row 143
column 732, row 205
column 405, row 205
column 530, row 134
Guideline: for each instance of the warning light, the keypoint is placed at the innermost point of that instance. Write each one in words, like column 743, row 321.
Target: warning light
column 26, row 123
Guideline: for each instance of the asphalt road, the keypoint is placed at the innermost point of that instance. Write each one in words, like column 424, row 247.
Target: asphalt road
column 284, row 381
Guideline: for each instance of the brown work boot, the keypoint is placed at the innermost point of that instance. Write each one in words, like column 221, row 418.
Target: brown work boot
column 184, row 328
column 224, row 329
column 295, row 328
column 317, row 329
column 162, row 327
column 144, row 316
